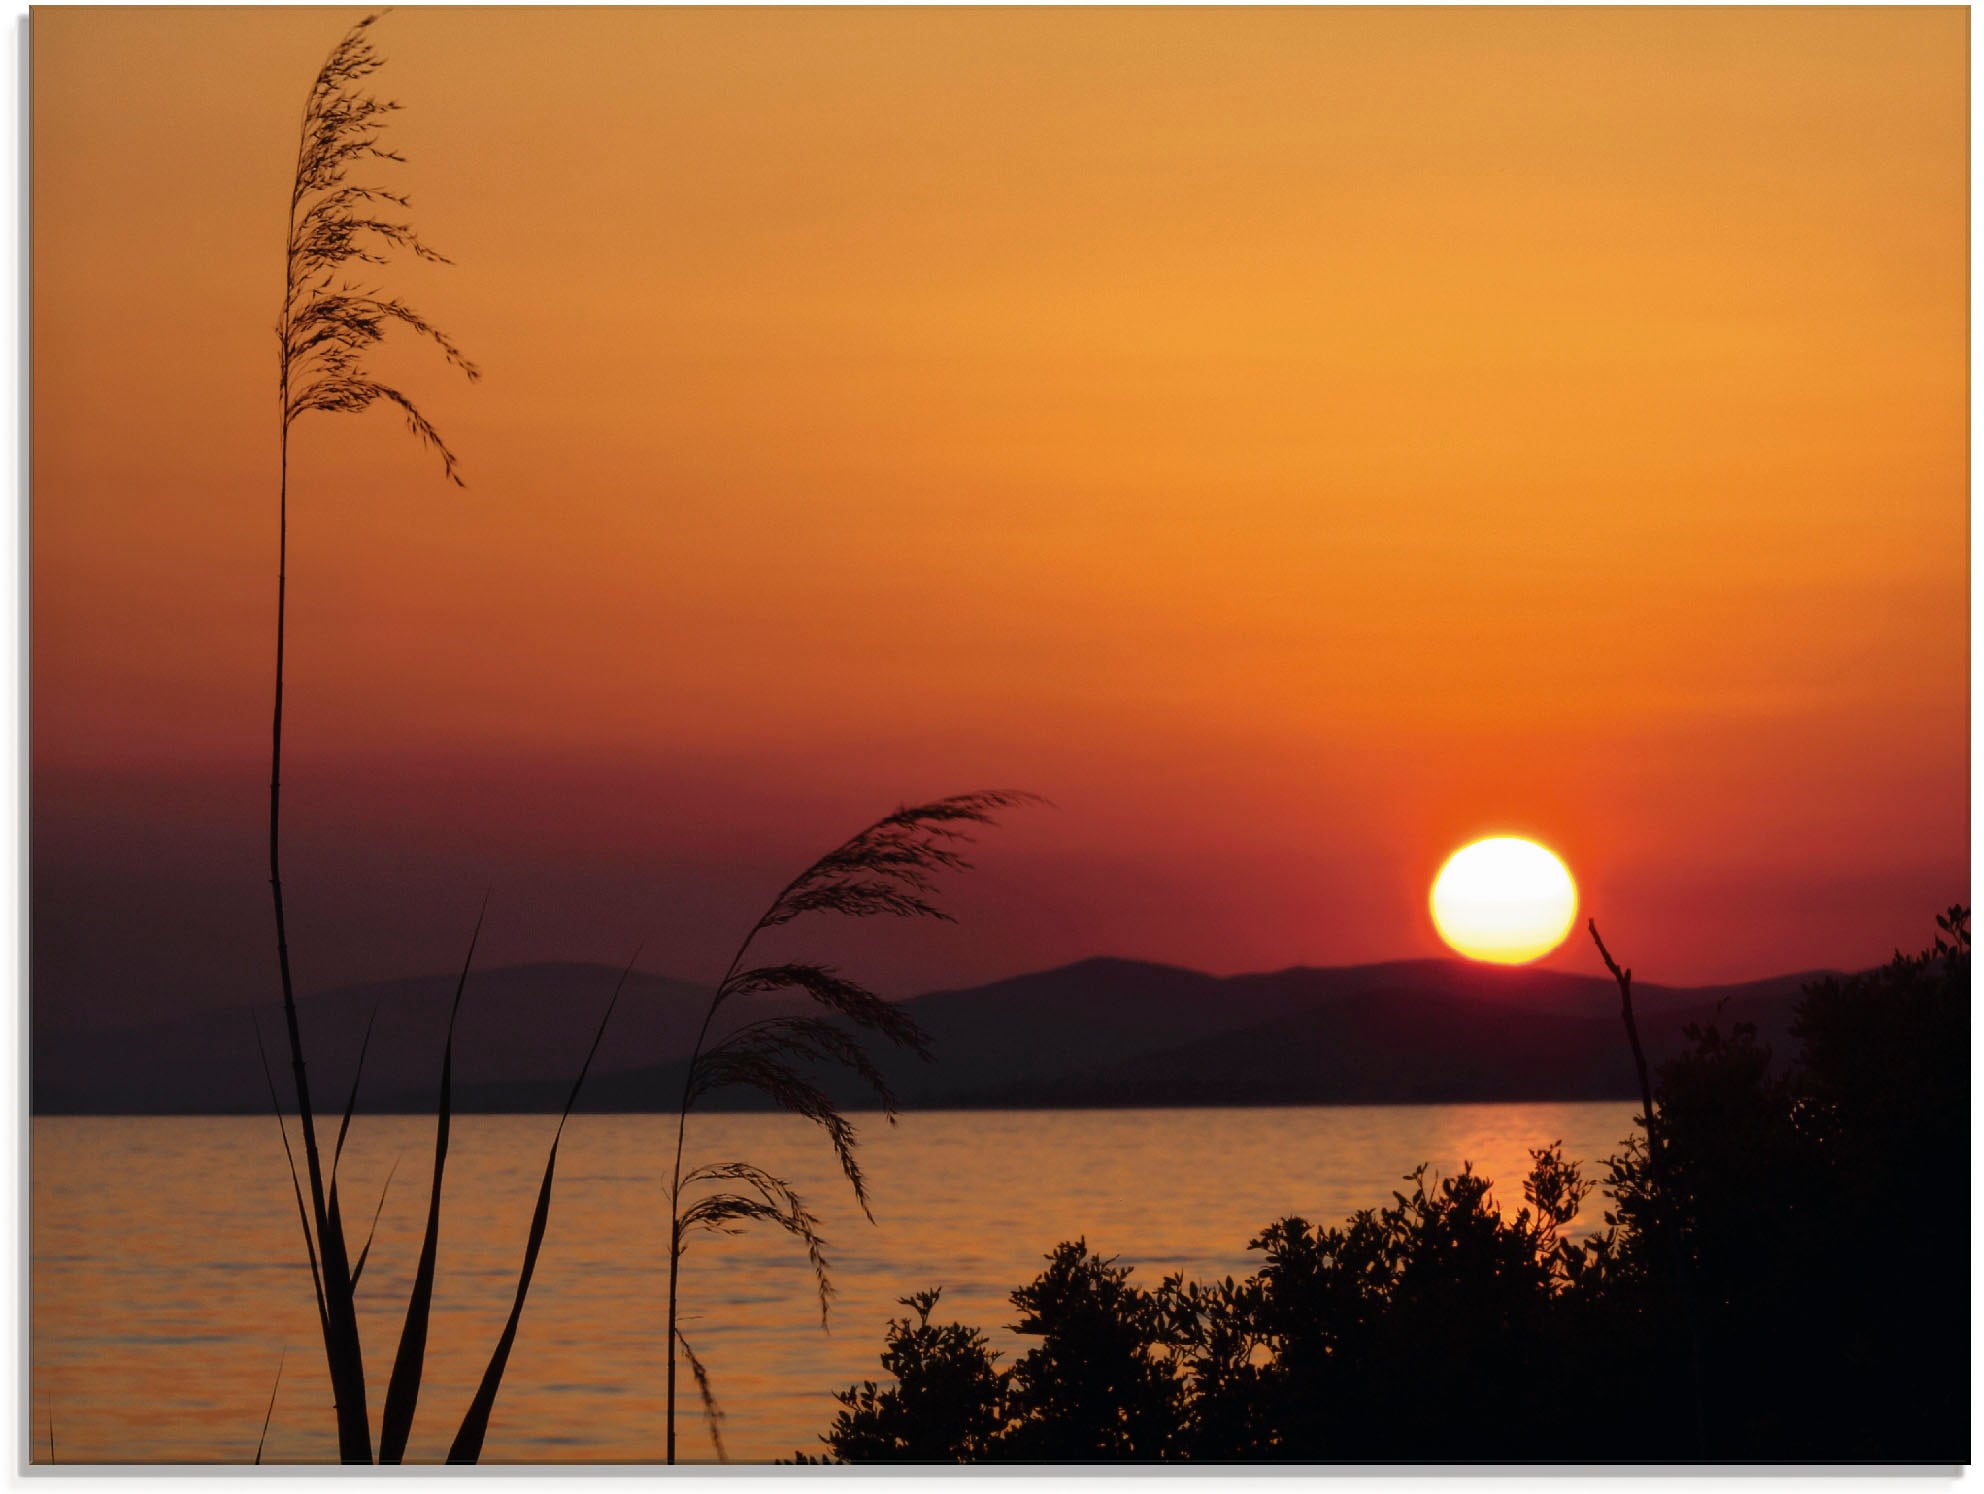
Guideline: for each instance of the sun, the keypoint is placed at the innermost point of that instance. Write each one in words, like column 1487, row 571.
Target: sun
column 1505, row 900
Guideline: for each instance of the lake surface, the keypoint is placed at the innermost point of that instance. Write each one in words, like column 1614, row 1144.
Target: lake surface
column 168, row 1276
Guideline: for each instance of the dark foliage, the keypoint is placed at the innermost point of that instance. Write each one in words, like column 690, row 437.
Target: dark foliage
column 947, row 1403
column 1099, row 1386
column 1790, row 1285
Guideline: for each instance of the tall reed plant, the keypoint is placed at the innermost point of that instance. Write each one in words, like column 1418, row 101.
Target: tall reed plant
column 328, row 327
column 342, row 226
column 890, row 868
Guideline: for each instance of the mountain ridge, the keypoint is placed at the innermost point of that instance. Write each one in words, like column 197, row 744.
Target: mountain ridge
column 1105, row 1030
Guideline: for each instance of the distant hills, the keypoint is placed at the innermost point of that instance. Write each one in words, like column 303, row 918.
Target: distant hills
column 1103, row 1032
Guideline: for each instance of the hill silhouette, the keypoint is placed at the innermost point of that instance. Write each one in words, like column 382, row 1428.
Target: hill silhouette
column 1102, row 1032
column 518, row 1023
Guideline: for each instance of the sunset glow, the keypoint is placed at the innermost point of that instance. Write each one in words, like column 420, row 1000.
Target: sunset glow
column 1278, row 436
column 1504, row 900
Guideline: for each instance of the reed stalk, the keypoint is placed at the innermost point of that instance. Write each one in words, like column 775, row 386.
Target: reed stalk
column 327, row 327
column 888, row 869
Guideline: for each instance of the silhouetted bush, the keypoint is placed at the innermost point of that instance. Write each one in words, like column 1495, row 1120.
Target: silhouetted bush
column 946, row 1405
column 1098, row 1387
column 1791, row 1287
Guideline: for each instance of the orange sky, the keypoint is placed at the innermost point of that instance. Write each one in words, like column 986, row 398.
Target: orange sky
column 1295, row 441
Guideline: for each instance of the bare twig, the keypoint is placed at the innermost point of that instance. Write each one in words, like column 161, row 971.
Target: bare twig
column 1625, row 980
column 1664, row 1226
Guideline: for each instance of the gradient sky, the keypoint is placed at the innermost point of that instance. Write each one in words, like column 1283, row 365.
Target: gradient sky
column 1297, row 442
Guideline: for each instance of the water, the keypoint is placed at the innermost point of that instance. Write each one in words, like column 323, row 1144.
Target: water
column 168, row 1276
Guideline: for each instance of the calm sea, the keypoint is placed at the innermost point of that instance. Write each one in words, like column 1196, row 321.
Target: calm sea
column 168, row 1277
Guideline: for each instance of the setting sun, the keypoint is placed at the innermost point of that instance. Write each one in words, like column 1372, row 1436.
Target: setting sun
column 1505, row 900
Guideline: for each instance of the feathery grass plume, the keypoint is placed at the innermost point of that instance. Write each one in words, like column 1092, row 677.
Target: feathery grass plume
column 340, row 225
column 330, row 322
column 891, row 869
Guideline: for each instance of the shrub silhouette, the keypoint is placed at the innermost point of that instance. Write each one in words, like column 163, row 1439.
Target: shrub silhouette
column 1820, row 1336
column 1099, row 1386
column 1333, row 1349
column 948, row 1402
column 1102, row 1385
column 1437, row 1329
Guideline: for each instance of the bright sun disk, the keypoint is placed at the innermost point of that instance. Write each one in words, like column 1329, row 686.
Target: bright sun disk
column 1505, row 900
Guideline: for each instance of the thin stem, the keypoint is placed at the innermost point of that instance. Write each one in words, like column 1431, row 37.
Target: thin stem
column 674, row 1272
column 323, row 335
column 681, row 1134
column 347, row 1373
column 675, row 1182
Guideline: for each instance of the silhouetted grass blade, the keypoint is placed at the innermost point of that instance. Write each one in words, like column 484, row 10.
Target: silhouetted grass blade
column 467, row 1446
column 403, row 1390
column 351, row 1100
column 302, row 1212
column 331, row 1206
column 358, row 1268
column 269, row 1415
